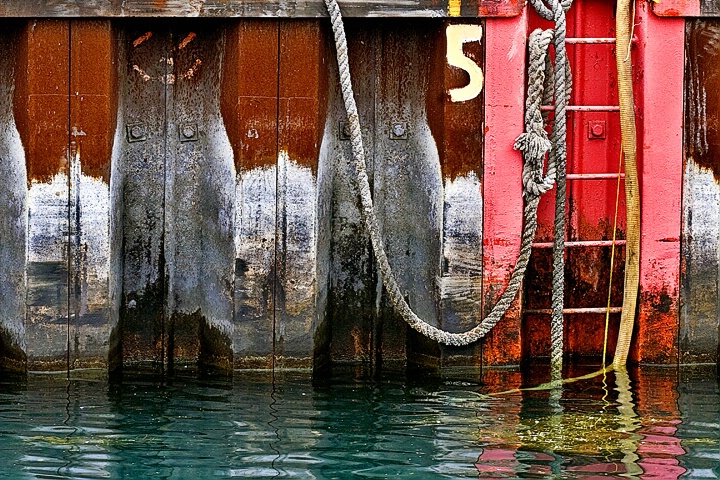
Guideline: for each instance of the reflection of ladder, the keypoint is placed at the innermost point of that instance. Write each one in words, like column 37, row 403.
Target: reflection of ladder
column 593, row 132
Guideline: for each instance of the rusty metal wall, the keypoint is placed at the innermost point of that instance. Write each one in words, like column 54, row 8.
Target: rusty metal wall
column 425, row 170
column 593, row 147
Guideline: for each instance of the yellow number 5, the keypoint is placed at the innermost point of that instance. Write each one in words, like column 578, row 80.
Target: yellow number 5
column 457, row 36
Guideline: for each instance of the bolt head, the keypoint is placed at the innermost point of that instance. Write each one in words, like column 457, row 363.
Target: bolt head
column 398, row 130
column 137, row 131
column 596, row 129
column 188, row 131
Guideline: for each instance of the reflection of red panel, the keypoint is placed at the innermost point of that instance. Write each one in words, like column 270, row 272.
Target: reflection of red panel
column 659, row 449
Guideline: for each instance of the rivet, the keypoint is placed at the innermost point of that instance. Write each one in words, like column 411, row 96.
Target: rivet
column 188, row 131
column 344, row 131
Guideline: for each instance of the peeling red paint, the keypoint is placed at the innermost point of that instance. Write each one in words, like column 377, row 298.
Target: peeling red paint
column 677, row 8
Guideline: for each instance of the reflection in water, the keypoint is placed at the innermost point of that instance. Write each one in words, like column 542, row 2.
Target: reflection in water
column 646, row 424
column 584, row 433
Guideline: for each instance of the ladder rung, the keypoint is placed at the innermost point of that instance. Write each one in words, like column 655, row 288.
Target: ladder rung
column 583, row 108
column 582, row 243
column 572, row 311
column 594, row 176
column 593, row 40
column 590, row 40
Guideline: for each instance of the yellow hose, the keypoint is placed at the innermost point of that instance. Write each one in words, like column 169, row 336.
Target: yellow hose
column 623, row 24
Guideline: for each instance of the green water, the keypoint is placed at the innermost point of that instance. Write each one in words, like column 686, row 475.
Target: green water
column 660, row 424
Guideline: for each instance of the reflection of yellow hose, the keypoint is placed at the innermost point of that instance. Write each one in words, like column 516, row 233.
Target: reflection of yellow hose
column 630, row 422
column 623, row 24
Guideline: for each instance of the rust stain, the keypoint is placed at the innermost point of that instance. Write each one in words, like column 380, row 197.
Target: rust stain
column 190, row 73
column 503, row 346
column 142, row 73
column 43, row 101
column 41, row 97
column 702, row 95
column 657, row 330
column 486, row 8
column 248, row 97
column 456, row 127
column 303, row 90
column 185, row 41
column 142, row 39
column 93, row 104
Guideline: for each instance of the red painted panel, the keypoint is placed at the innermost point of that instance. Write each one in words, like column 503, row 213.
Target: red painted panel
column 502, row 189
column 661, row 66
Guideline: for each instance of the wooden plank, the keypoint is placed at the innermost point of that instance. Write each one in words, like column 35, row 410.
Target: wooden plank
column 408, row 187
column 353, row 281
column 13, row 219
column 199, row 202
column 457, row 128
column 141, row 163
column 41, row 106
column 303, row 86
column 699, row 321
column 93, row 113
column 249, row 106
column 257, row 8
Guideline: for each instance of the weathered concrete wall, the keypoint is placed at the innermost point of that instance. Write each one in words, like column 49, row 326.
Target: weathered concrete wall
column 700, row 319
column 13, row 216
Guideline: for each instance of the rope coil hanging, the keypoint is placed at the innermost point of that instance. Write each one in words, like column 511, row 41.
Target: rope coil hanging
column 534, row 144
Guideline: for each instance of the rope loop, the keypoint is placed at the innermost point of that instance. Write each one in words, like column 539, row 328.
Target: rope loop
column 534, row 144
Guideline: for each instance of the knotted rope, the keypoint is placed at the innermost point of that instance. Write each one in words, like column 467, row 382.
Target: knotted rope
column 555, row 11
column 534, row 144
